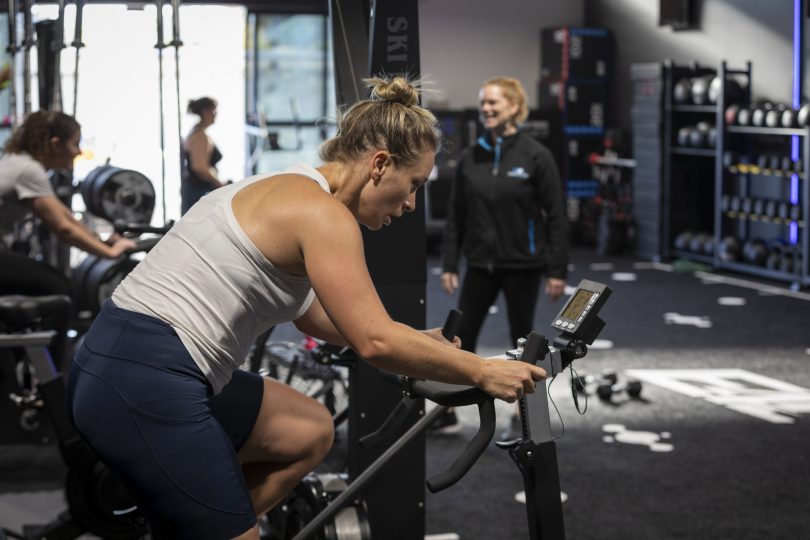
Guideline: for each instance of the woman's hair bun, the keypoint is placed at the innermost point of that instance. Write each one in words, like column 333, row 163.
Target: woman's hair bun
column 395, row 89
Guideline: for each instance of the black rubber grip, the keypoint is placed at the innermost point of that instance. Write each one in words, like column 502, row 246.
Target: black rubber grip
column 476, row 447
column 452, row 324
column 535, row 348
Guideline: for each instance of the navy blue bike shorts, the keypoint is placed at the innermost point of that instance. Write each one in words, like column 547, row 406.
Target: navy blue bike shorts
column 137, row 397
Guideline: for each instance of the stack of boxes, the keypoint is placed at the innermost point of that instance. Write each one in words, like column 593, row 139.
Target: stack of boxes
column 647, row 120
column 576, row 64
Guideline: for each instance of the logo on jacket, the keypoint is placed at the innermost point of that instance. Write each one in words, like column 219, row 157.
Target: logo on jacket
column 518, row 172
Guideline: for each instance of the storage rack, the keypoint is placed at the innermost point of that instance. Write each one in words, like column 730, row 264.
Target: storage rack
column 693, row 165
column 730, row 181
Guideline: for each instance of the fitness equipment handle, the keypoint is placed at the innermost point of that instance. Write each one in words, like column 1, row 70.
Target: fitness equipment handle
column 122, row 227
column 453, row 395
column 395, row 421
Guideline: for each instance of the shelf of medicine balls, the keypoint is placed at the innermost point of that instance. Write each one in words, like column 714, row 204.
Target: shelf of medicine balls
column 760, row 165
column 689, row 150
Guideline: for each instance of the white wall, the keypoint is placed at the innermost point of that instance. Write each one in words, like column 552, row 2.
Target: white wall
column 464, row 42
column 731, row 30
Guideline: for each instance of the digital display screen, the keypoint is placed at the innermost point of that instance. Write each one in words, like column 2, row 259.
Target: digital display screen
column 577, row 305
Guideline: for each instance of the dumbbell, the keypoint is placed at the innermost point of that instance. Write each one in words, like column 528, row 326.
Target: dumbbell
column 783, row 210
column 698, row 241
column 771, row 207
column 788, row 119
column 773, row 117
column 787, row 165
column 699, row 135
column 734, row 203
column 607, row 389
column 700, row 89
column 803, row 116
column 729, row 249
column 711, row 137
column 789, row 261
column 731, row 114
column 744, row 116
column 734, row 91
column 729, row 159
column 708, row 245
column 758, row 207
column 755, row 252
column 758, row 114
column 683, row 240
column 684, row 135
column 725, row 202
column 747, row 205
column 774, row 259
column 584, row 383
column 682, row 91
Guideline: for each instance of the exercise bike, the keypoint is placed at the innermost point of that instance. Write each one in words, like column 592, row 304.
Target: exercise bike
column 97, row 502
column 534, row 452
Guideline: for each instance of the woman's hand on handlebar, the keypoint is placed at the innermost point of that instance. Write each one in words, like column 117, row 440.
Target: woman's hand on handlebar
column 436, row 333
column 510, row 380
column 120, row 246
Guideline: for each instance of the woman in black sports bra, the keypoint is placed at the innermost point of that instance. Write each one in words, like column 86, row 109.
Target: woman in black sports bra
column 199, row 156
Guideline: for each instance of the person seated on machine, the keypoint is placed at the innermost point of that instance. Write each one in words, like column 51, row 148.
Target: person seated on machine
column 155, row 388
column 45, row 140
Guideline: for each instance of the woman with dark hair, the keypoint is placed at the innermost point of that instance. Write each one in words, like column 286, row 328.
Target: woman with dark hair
column 45, row 140
column 155, row 388
column 199, row 155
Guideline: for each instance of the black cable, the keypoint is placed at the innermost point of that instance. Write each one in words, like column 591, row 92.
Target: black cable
column 574, row 379
column 556, row 409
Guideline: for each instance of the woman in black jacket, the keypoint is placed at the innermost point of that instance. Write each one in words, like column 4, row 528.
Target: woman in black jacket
column 506, row 216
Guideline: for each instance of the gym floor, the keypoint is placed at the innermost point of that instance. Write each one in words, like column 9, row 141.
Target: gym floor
column 715, row 448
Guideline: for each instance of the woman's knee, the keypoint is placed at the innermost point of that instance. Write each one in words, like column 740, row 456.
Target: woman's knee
column 322, row 431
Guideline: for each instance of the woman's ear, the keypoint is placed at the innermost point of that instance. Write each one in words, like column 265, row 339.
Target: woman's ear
column 380, row 162
column 55, row 141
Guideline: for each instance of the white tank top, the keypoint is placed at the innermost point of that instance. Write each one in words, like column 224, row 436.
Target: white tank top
column 209, row 281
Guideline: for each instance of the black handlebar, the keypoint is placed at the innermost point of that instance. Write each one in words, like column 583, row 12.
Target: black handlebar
column 452, row 324
column 451, row 395
column 445, row 395
column 122, row 227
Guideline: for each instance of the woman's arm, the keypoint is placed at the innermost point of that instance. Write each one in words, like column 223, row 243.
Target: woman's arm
column 332, row 248
column 316, row 323
column 199, row 158
column 59, row 219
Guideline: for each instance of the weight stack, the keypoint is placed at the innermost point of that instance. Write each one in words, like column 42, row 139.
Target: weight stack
column 647, row 125
column 576, row 64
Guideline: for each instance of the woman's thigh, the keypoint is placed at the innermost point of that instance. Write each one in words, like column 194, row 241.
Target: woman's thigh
column 150, row 422
column 288, row 426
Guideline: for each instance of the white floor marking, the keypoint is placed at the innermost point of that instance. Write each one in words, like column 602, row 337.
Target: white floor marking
column 731, row 301
column 600, row 344
column 748, row 393
column 763, row 288
column 520, row 497
column 442, row 536
column 623, row 276
column 493, row 309
column 619, row 433
column 807, row 351
column 600, row 266
column 687, row 320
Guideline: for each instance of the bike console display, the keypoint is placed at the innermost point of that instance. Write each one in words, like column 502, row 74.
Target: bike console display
column 577, row 319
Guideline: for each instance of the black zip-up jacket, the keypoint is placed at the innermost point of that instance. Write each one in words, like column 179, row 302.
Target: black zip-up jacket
column 506, row 208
